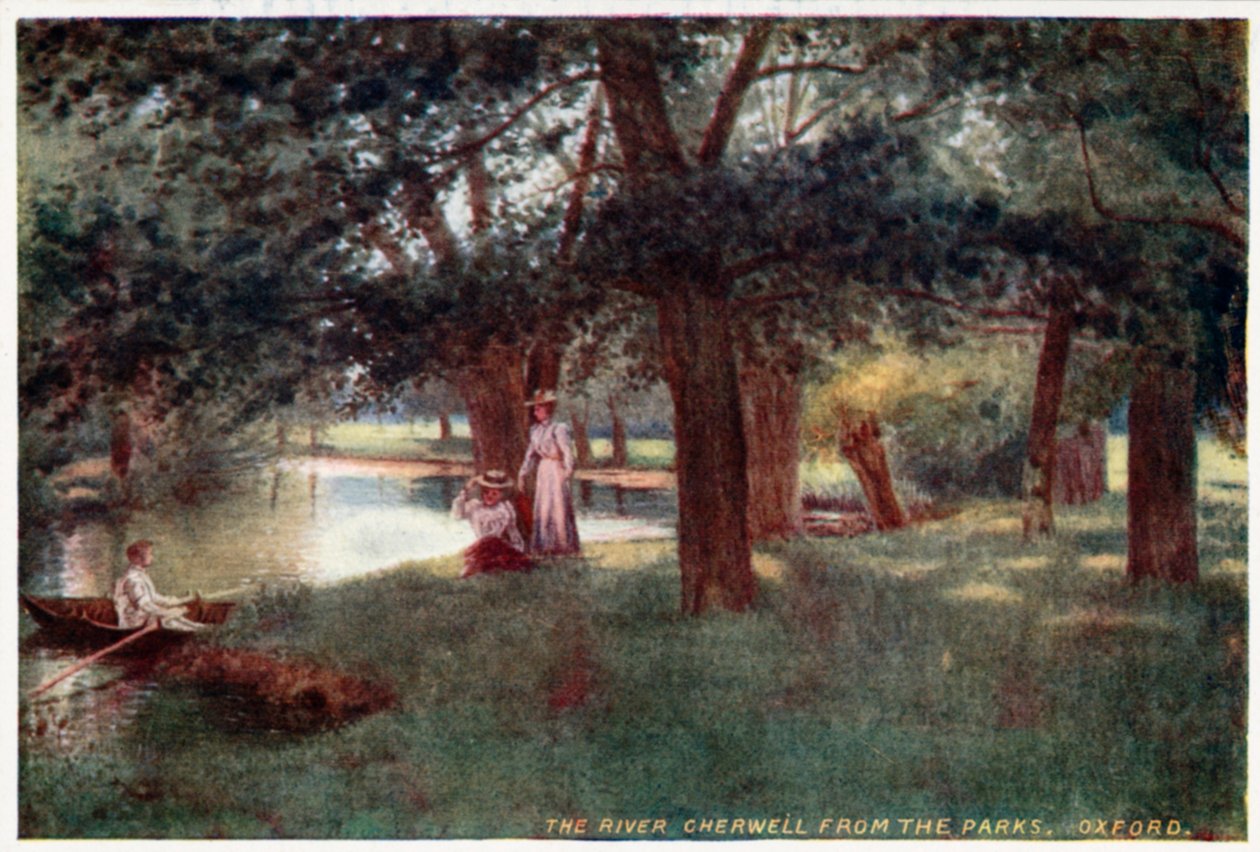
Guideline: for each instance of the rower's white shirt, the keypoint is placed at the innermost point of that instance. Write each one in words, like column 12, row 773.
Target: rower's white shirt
column 137, row 600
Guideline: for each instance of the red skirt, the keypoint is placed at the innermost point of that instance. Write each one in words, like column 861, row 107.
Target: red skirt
column 491, row 555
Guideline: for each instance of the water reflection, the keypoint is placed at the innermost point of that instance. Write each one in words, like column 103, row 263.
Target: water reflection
column 318, row 521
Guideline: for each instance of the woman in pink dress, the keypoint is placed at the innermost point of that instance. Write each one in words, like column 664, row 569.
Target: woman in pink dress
column 551, row 453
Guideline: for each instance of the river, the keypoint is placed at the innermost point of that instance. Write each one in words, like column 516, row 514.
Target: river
column 315, row 521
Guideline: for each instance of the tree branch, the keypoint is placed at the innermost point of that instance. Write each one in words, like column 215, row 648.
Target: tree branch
column 771, row 298
column 582, row 181
column 722, row 122
column 638, row 288
column 1210, row 225
column 736, row 271
column 798, row 67
column 479, row 142
column 994, row 313
column 1205, row 150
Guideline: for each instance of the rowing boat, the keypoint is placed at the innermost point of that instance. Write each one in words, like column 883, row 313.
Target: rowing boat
column 94, row 621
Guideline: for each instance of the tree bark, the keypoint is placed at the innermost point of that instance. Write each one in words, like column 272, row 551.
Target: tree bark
column 862, row 448
column 1163, row 537
column 494, row 395
column 771, row 401
column 581, row 436
column 120, row 446
column 620, row 456
column 714, row 554
column 1080, row 471
column 543, row 368
column 1038, row 478
column 692, row 300
column 444, row 426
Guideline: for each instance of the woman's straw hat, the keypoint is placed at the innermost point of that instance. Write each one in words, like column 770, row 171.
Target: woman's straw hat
column 494, row 479
column 541, row 398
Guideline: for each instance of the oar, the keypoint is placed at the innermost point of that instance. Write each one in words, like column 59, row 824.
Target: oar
column 87, row 661
column 226, row 593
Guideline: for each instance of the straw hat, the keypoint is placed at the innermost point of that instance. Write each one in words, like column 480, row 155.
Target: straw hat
column 541, row 397
column 494, row 479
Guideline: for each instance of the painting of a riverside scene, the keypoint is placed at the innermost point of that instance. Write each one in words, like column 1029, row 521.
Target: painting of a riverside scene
column 655, row 428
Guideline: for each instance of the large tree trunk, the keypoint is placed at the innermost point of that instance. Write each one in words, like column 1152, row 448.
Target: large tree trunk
column 772, row 410
column 620, row 452
column 542, row 371
column 1038, row 478
column 1080, row 471
column 494, row 396
column 862, row 448
column 1163, row 539
column 714, row 554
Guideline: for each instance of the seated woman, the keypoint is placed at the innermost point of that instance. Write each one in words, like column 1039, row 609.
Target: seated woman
column 499, row 545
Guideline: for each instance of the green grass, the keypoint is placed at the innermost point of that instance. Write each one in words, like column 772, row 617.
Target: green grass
column 420, row 441
column 944, row 671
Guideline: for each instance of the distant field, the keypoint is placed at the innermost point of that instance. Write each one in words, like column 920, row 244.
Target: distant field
column 1219, row 470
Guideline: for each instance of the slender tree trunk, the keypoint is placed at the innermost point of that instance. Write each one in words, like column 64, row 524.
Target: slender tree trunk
column 714, row 555
column 620, row 456
column 862, row 448
column 1163, row 539
column 282, row 438
column 771, row 402
column 1038, row 478
column 120, row 446
column 582, row 436
column 1080, row 473
column 314, row 438
column 494, row 396
column 444, row 425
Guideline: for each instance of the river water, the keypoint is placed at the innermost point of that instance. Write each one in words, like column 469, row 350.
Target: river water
column 314, row 521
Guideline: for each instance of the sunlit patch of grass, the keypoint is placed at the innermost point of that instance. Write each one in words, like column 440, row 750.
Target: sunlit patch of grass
column 986, row 593
column 768, row 567
column 1026, row 563
column 622, row 555
column 1104, row 562
column 1106, row 620
column 1231, row 566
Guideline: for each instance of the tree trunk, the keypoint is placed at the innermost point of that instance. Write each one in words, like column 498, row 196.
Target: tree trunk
column 714, row 555
column 1080, row 471
column 1038, row 478
column 444, row 426
column 860, row 443
column 581, row 437
column 542, row 372
column 1163, row 538
column 620, row 455
column 494, row 396
column 771, row 402
column 120, row 446
column 282, row 438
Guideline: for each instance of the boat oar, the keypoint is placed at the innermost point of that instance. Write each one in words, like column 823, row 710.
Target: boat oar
column 87, row 661
column 226, row 593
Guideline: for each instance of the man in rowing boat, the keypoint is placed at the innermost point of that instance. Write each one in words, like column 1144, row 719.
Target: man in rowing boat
column 137, row 600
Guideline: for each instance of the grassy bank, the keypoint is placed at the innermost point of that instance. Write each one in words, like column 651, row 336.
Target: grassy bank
column 420, row 441
column 946, row 671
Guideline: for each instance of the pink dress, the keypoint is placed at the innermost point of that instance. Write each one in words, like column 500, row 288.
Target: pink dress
column 551, row 452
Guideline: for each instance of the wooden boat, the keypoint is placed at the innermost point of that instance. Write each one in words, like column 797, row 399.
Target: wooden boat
column 93, row 622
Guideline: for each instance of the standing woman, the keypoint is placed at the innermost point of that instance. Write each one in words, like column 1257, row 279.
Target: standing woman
column 551, row 452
